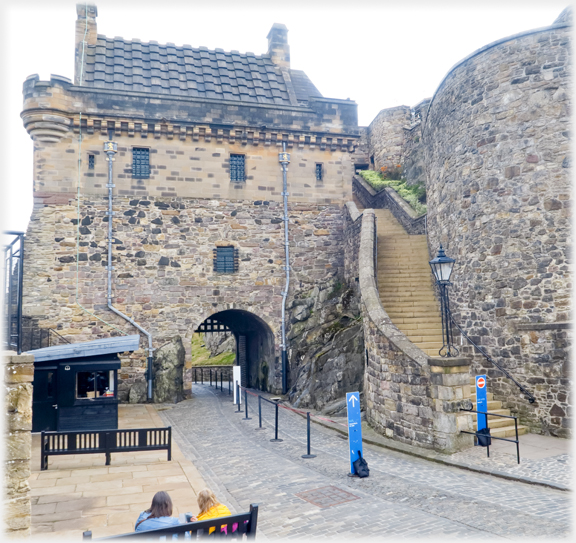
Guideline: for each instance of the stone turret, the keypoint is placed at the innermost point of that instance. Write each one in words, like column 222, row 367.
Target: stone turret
column 278, row 48
column 85, row 36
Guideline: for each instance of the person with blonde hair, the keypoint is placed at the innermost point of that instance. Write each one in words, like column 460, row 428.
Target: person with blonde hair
column 210, row 507
column 159, row 515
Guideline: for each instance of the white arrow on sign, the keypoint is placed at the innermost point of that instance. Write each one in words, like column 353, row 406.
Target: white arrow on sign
column 352, row 399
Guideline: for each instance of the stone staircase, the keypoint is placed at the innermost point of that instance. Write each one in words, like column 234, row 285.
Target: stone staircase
column 499, row 427
column 407, row 295
column 405, row 283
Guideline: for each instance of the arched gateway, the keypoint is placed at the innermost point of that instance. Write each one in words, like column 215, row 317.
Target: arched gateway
column 254, row 345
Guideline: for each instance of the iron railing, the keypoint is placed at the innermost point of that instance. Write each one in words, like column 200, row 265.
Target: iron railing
column 476, row 434
column 522, row 388
column 12, row 279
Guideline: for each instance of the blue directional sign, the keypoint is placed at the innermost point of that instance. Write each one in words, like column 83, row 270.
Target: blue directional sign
column 481, row 402
column 354, row 427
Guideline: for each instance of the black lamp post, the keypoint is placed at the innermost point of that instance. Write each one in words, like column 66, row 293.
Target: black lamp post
column 442, row 269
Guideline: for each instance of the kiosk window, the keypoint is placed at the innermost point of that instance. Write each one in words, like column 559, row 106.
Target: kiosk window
column 95, row 384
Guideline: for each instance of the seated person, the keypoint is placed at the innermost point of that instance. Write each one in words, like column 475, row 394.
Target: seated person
column 159, row 514
column 210, row 507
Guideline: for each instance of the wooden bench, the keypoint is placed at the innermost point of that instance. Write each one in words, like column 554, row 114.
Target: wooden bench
column 104, row 441
column 247, row 523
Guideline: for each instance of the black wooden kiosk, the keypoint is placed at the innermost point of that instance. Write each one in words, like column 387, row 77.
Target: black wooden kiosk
column 76, row 385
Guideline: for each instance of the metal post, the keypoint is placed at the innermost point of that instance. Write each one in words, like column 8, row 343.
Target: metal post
column 195, row 380
column 276, row 426
column 210, row 376
column 221, row 380
column 246, row 417
column 201, row 376
column 238, row 396
column 259, row 413
column 517, row 441
column 308, row 455
column 229, row 385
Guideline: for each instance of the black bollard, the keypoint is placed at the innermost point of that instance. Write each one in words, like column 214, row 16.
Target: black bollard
column 276, row 427
column 308, row 455
column 229, row 385
column 220, row 380
column 259, row 413
column 238, row 396
column 246, row 405
column 195, row 380
column 210, row 376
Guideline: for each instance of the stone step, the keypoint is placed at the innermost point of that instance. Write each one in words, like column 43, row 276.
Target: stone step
column 417, row 320
column 407, row 305
column 421, row 326
column 417, row 339
column 425, row 345
column 489, row 395
column 508, row 431
column 428, row 332
column 413, row 314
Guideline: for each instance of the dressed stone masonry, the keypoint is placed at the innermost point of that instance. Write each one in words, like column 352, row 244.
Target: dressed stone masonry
column 191, row 108
column 18, row 377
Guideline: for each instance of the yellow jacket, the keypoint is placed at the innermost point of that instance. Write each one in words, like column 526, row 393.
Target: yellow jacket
column 214, row 512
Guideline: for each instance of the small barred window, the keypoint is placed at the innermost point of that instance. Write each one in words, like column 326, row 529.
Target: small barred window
column 225, row 259
column 237, row 168
column 140, row 163
column 319, row 172
column 91, row 162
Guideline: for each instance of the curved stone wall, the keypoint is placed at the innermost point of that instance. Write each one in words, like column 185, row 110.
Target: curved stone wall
column 498, row 189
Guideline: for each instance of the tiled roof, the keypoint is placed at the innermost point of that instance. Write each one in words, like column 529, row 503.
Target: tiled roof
column 185, row 71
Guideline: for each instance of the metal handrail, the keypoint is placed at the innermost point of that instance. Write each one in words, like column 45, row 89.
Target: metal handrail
column 517, row 441
column 522, row 388
column 61, row 337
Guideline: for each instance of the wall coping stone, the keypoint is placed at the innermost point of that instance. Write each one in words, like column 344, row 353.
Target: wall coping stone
column 371, row 297
column 353, row 211
column 449, row 362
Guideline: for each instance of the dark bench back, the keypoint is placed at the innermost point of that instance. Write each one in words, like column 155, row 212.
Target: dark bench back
column 105, row 441
column 247, row 524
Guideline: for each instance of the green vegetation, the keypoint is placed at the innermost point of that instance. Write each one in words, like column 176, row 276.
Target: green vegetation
column 415, row 195
column 201, row 355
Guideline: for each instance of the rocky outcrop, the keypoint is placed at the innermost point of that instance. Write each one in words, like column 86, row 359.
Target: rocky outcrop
column 218, row 343
column 326, row 345
column 168, row 369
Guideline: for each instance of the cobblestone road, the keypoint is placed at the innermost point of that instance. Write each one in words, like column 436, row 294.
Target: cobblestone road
column 403, row 497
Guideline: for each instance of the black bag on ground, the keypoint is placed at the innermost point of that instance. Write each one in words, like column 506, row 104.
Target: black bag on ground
column 484, row 439
column 361, row 466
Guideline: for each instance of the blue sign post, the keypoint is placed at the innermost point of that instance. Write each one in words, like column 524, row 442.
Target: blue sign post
column 481, row 402
column 354, row 427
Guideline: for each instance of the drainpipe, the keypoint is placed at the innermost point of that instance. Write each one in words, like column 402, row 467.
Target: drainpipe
column 110, row 148
column 284, row 159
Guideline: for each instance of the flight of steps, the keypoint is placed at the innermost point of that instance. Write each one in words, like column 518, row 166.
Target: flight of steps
column 405, row 283
column 499, row 427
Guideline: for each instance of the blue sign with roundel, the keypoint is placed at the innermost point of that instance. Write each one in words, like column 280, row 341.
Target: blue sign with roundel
column 354, row 427
column 481, row 402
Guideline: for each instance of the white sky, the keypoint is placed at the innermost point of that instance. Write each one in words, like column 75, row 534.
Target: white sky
column 380, row 54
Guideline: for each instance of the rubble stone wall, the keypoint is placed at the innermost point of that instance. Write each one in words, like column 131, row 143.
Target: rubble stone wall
column 499, row 196
column 163, row 266
column 18, row 377
column 386, row 135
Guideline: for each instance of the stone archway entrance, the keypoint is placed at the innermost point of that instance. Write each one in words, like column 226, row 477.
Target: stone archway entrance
column 254, row 344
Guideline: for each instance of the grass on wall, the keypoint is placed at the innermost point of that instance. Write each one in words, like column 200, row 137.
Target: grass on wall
column 415, row 195
column 201, row 355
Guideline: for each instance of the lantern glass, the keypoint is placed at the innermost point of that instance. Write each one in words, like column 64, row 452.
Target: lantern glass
column 442, row 266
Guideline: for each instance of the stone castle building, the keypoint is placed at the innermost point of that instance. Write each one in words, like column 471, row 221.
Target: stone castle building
column 198, row 220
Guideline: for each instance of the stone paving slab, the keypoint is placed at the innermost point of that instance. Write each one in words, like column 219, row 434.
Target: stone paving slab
column 405, row 496
column 79, row 492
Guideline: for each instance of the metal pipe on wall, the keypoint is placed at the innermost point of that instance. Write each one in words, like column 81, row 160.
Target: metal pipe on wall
column 110, row 148
column 284, row 159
